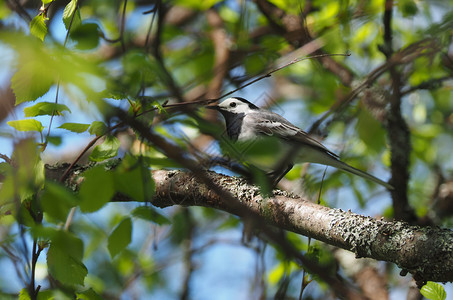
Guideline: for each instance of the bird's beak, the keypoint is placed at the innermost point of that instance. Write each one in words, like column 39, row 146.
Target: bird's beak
column 214, row 107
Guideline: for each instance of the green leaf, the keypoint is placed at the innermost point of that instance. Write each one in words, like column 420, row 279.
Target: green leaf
column 86, row 36
column 42, row 295
column 45, row 108
column 67, row 15
column 196, row 4
column 31, row 81
column 150, row 214
column 229, row 223
column 96, row 190
column 27, row 178
column 162, row 162
column 5, row 168
column 370, row 131
column 408, row 8
column 433, row 291
column 133, row 178
column 120, row 237
column 54, row 140
column 44, row 2
column 65, row 268
column 40, row 66
column 276, row 274
column 254, row 63
column 26, row 125
column 57, row 200
column 98, row 128
column 108, row 149
column 64, row 260
column 89, row 294
column 46, row 295
column 23, row 295
column 75, row 127
column 38, row 26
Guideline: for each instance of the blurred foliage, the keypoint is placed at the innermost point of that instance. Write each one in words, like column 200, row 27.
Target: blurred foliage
column 72, row 61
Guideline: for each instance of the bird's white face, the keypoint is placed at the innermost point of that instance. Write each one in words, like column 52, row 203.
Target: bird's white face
column 235, row 106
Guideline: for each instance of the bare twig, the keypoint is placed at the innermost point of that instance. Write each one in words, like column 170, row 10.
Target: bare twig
column 122, row 26
column 403, row 56
column 15, row 261
column 21, row 11
column 293, row 29
column 221, row 50
column 58, row 81
column 187, row 256
column 268, row 74
column 36, row 251
column 6, row 159
column 157, row 53
column 305, row 281
column 431, row 84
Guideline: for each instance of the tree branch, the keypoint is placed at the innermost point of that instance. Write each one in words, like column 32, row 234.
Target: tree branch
column 425, row 252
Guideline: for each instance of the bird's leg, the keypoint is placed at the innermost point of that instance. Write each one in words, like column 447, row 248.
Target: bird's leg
column 277, row 175
column 284, row 165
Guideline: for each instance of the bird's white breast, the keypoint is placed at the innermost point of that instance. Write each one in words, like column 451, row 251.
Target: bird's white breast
column 248, row 129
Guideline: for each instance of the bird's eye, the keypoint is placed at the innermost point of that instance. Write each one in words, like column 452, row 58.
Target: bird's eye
column 233, row 104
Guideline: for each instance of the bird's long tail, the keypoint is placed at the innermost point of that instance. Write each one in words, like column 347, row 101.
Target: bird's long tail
column 327, row 159
column 345, row 167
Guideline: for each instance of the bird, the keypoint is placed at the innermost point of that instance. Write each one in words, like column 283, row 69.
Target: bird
column 246, row 122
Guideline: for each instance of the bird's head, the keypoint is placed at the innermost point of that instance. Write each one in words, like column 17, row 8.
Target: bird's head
column 235, row 105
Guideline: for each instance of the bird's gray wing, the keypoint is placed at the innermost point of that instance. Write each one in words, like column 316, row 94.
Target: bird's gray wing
column 272, row 124
column 268, row 123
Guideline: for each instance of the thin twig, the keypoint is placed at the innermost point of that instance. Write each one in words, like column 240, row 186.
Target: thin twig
column 157, row 53
column 403, row 56
column 20, row 10
column 294, row 61
column 306, row 282
column 69, row 218
column 122, row 26
column 6, row 159
column 147, row 42
column 74, row 162
column 15, row 261
column 187, row 254
column 58, row 81
column 153, row 18
column 427, row 85
column 34, row 259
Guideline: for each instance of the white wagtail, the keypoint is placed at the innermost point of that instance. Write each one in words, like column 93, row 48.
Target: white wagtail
column 247, row 122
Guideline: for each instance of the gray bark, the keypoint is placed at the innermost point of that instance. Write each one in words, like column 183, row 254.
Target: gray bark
column 425, row 252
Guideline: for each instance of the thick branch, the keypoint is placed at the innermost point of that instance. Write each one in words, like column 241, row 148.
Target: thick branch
column 426, row 252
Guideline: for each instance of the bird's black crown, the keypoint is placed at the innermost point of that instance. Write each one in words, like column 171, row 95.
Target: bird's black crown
column 251, row 105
